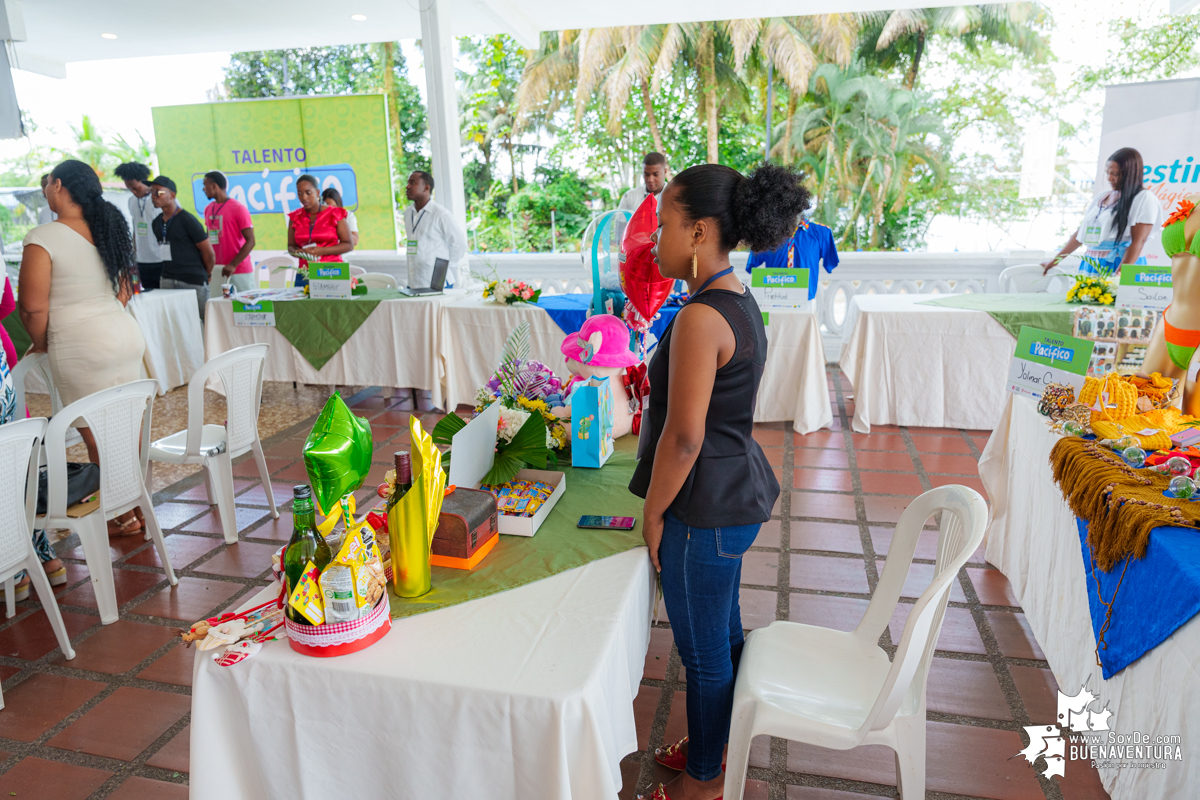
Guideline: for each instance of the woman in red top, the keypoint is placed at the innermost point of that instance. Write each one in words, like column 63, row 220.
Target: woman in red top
column 316, row 232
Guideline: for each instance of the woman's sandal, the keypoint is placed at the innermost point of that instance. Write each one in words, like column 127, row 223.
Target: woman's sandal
column 673, row 757
column 20, row 591
column 128, row 526
column 660, row 794
column 58, row 577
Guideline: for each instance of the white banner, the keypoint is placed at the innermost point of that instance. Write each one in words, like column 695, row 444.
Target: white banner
column 1158, row 119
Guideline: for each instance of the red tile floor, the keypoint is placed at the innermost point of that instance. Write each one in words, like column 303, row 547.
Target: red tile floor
column 113, row 722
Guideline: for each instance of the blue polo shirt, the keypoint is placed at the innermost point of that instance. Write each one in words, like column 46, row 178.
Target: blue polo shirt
column 813, row 243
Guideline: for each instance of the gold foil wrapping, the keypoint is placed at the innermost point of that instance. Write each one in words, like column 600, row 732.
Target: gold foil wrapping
column 413, row 520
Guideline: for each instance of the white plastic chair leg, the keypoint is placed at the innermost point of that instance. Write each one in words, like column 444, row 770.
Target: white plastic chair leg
column 10, row 597
column 910, row 756
column 737, row 757
column 155, row 532
column 208, row 489
column 265, row 476
column 45, row 593
column 219, row 469
column 93, row 535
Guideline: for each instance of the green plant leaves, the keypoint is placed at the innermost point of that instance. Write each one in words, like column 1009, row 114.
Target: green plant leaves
column 528, row 446
column 443, row 434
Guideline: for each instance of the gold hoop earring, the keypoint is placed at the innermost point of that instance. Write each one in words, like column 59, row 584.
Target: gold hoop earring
column 693, row 262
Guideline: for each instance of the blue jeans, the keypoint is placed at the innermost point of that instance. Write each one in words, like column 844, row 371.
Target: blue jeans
column 701, row 573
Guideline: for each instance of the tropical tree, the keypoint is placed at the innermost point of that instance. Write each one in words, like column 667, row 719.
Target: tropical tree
column 490, row 97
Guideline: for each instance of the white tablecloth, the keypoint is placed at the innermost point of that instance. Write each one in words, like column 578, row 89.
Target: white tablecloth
column 1034, row 541
column 174, row 340
column 925, row 366
column 794, row 385
column 396, row 347
column 525, row 694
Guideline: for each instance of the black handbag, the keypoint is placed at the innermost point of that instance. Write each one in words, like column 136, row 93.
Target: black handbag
column 83, row 481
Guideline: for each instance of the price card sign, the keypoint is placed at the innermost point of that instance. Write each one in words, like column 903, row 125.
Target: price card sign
column 1144, row 286
column 254, row 315
column 1043, row 358
column 329, row 279
column 779, row 288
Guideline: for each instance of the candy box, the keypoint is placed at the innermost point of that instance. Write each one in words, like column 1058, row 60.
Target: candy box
column 467, row 529
column 518, row 525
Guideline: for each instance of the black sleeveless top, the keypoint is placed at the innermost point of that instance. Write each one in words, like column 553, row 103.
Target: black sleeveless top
column 731, row 482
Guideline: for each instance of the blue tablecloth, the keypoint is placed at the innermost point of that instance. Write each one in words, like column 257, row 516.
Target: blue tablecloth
column 570, row 310
column 1159, row 594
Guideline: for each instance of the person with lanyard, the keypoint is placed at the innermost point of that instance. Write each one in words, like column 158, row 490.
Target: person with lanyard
column 143, row 212
column 187, row 256
column 707, row 484
column 1116, row 223
column 230, row 232
column 316, row 232
column 431, row 232
column 654, row 178
column 332, row 197
column 810, row 247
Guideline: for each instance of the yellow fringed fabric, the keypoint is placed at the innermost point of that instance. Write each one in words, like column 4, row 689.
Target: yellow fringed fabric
column 1122, row 505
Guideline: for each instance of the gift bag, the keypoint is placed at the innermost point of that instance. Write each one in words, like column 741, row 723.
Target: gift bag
column 591, row 423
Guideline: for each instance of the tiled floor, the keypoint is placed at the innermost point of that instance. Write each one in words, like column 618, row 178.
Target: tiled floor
column 114, row 722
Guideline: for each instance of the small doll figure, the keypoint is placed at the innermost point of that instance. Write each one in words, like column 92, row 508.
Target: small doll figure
column 601, row 349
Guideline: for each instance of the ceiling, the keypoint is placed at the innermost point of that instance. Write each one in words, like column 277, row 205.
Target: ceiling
column 56, row 32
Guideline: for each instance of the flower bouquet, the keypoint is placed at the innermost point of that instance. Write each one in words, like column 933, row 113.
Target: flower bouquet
column 1095, row 287
column 528, row 434
column 509, row 291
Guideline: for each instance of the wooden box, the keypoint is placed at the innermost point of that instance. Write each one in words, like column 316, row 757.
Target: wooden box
column 467, row 529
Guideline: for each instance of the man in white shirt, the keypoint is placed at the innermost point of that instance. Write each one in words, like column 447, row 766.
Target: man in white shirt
column 143, row 212
column 431, row 232
column 654, row 178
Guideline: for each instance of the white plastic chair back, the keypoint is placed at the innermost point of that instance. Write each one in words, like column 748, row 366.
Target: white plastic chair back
column 357, row 270
column 38, row 363
column 964, row 518
column 19, row 448
column 377, row 280
column 240, row 371
column 119, row 419
column 279, row 280
column 1026, row 278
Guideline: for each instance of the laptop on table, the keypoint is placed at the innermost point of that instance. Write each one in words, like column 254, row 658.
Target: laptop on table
column 437, row 282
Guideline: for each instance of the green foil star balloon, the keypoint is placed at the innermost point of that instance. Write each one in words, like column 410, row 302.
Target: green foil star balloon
column 337, row 453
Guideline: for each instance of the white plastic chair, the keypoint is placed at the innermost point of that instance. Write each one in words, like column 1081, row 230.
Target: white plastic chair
column 39, row 363
column 279, row 280
column 839, row 690
column 215, row 446
column 357, row 270
column 119, row 419
column 377, row 280
column 19, row 446
column 1026, row 278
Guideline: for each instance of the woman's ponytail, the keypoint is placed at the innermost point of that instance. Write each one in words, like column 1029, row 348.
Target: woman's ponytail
column 107, row 224
column 760, row 210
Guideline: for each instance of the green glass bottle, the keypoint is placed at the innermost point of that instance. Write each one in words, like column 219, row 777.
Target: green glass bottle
column 306, row 544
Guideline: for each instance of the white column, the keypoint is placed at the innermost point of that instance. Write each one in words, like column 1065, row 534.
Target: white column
column 444, row 139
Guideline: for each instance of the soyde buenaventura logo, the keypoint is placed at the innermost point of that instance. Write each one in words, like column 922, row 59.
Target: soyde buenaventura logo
column 1082, row 733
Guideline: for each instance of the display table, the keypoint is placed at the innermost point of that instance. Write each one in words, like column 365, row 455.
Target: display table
column 396, row 347
column 524, row 694
column 924, row 366
column 794, row 385
column 1034, row 541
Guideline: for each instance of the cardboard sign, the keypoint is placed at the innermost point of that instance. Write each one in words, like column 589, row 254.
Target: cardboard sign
column 780, row 288
column 1043, row 358
column 329, row 279
column 254, row 315
column 1144, row 287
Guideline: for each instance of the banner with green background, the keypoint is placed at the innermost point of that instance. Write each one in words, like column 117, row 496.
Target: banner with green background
column 262, row 146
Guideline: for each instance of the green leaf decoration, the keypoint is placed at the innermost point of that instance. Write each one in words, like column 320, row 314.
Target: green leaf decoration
column 528, row 447
column 443, row 432
column 516, row 347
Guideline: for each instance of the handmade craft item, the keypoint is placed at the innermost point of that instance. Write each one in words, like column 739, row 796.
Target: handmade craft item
column 1056, row 397
column 337, row 453
column 643, row 284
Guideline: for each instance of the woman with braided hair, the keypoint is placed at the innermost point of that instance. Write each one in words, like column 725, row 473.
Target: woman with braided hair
column 76, row 276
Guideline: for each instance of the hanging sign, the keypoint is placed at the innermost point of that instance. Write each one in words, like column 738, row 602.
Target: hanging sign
column 1144, row 286
column 329, row 279
column 254, row 315
column 780, row 288
column 1043, row 357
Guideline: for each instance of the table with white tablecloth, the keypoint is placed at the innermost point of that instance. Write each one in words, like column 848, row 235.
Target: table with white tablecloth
column 396, row 347
column 794, row 384
column 1034, row 541
column 924, row 366
column 523, row 694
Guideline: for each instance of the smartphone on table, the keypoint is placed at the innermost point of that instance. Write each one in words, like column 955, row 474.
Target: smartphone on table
column 611, row 523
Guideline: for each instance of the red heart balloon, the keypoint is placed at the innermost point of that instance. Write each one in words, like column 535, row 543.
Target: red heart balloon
column 643, row 284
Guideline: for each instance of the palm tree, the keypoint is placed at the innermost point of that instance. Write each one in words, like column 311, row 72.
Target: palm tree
column 90, row 147
column 890, row 37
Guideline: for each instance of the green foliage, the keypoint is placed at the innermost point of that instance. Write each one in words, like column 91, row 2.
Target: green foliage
column 443, row 434
column 1167, row 47
column 528, row 447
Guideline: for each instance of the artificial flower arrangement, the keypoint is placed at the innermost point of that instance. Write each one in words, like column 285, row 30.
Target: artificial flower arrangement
column 1095, row 287
column 528, row 434
column 509, row 291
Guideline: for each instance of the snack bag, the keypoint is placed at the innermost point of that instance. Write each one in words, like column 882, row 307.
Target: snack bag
column 306, row 597
column 360, row 554
column 337, row 591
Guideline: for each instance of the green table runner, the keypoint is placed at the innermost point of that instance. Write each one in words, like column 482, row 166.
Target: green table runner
column 319, row 328
column 1014, row 311
column 558, row 545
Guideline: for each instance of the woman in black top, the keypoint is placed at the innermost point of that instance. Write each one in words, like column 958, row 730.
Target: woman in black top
column 707, row 484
